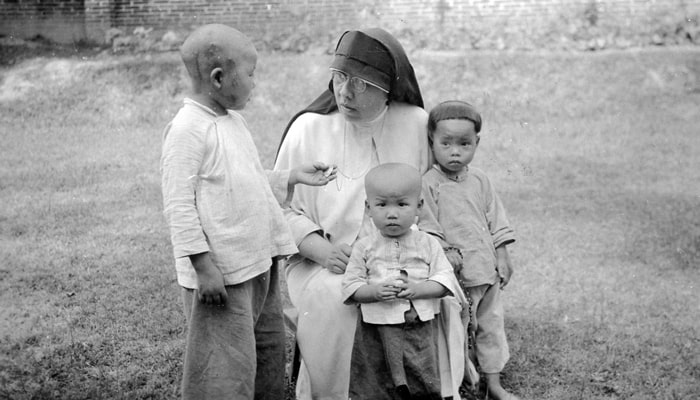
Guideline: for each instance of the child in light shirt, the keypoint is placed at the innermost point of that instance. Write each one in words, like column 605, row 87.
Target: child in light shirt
column 397, row 275
column 473, row 229
column 226, row 224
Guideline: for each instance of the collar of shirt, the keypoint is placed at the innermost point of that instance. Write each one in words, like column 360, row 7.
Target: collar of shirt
column 208, row 109
column 453, row 177
column 377, row 236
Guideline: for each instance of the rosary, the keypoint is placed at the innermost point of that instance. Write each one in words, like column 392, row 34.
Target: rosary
column 343, row 171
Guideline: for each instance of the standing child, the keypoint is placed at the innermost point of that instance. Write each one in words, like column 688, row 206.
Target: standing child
column 398, row 276
column 226, row 225
column 475, row 229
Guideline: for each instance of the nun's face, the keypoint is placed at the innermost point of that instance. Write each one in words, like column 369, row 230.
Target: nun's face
column 358, row 107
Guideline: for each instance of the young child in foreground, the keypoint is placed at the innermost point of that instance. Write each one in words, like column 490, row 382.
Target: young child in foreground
column 473, row 223
column 226, row 225
column 398, row 276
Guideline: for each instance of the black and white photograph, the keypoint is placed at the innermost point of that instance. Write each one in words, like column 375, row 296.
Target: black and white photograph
column 350, row 199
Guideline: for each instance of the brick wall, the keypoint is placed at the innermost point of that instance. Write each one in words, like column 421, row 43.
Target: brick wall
column 61, row 21
column 462, row 12
column 72, row 20
column 252, row 15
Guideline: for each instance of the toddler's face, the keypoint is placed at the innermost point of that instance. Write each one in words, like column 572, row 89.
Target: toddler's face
column 454, row 144
column 393, row 212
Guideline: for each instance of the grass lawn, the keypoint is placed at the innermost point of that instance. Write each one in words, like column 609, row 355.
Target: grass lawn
column 595, row 156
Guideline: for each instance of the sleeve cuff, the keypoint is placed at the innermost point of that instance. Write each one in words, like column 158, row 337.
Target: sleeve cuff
column 279, row 182
column 446, row 281
column 301, row 227
column 350, row 290
column 186, row 250
column 504, row 238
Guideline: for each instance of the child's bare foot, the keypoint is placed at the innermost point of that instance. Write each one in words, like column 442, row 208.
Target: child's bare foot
column 495, row 390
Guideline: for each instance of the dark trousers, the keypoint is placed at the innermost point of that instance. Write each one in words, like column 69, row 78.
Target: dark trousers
column 236, row 351
column 395, row 362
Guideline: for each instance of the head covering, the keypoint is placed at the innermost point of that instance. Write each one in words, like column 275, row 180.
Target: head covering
column 403, row 86
column 359, row 55
column 453, row 109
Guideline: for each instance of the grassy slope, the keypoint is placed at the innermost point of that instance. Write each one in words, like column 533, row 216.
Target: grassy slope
column 595, row 156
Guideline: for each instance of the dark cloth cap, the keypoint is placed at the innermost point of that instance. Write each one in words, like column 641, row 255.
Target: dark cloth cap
column 454, row 109
column 360, row 55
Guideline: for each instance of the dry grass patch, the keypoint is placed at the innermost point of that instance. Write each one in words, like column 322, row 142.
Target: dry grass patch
column 594, row 155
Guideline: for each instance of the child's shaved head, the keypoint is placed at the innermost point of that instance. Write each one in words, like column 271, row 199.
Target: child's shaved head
column 213, row 46
column 393, row 178
column 221, row 62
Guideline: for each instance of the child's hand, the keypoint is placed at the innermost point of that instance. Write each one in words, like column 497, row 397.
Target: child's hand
column 376, row 292
column 423, row 290
column 315, row 174
column 383, row 291
column 211, row 290
column 455, row 258
column 408, row 292
column 503, row 266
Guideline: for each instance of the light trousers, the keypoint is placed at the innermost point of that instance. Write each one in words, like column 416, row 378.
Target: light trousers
column 487, row 312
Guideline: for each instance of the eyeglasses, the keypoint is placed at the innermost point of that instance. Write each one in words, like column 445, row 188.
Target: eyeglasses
column 357, row 85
